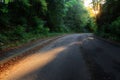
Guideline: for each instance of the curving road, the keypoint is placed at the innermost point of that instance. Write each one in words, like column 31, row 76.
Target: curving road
column 72, row 57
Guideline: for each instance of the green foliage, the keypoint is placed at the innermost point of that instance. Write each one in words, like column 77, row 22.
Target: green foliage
column 91, row 26
column 3, row 39
column 109, row 20
column 28, row 19
column 115, row 26
column 4, row 20
column 115, row 29
column 22, row 20
column 39, row 26
column 55, row 15
column 111, row 31
column 77, row 16
column 19, row 31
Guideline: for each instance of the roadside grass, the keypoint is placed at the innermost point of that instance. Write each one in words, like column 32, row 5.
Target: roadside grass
column 29, row 38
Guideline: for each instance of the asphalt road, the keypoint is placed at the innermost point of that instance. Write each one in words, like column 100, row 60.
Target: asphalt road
column 72, row 57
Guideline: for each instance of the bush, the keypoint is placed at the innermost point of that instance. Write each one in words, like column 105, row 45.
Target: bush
column 115, row 26
column 115, row 29
column 91, row 26
column 3, row 38
column 110, row 31
column 38, row 26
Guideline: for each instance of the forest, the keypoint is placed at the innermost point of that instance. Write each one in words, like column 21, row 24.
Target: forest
column 25, row 20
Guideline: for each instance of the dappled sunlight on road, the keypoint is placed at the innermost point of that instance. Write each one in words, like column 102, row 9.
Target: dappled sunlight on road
column 88, row 38
column 91, row 38
column 31, row 63
column 75, row 43
column 37, row 61
column 28, row 66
